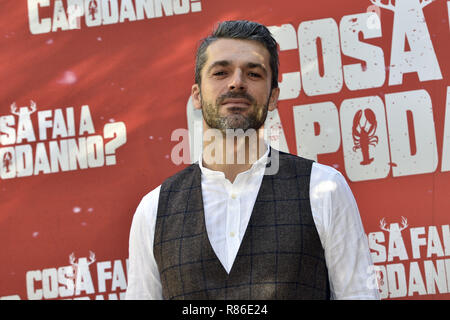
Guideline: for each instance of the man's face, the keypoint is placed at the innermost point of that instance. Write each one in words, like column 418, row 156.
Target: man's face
column 235, row 90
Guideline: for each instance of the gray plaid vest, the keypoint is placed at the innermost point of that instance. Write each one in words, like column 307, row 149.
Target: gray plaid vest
column 280, row 257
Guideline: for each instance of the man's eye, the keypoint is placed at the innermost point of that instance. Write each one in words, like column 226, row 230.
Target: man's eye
column 254, row 75
column 219, row 73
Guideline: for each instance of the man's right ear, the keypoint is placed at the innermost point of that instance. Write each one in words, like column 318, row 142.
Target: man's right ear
column 196, row 96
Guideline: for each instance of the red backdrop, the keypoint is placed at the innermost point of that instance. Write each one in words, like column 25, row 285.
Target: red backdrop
column 92, row 90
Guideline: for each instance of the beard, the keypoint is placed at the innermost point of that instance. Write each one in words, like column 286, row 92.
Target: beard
column 254, row 119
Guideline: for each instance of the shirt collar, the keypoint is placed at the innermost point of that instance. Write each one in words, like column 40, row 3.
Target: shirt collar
column 260, row 163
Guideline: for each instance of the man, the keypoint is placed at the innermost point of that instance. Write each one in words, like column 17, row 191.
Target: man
column 223, row 229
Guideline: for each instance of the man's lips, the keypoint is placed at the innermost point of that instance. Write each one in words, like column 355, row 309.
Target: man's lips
column 235, row 102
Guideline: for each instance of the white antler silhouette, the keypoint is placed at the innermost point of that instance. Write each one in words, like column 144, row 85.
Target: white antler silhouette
column 14, row 109
column 91, row 257
column 403, row 227
column 388, row 6
column 72, row 260
column 30, row 111
column 404, row 224
column 32, row 106
column 383, row 225
column 391, row 6
column 424, row 3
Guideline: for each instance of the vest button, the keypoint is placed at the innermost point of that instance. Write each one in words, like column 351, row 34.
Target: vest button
column 233, row 196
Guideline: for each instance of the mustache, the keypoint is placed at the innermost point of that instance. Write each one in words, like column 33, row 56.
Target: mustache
column 235, row 95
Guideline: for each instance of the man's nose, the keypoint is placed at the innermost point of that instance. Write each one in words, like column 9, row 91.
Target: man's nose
column 237, row 81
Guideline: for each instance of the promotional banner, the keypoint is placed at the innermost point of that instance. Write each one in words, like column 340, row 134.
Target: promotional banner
column 95, row 112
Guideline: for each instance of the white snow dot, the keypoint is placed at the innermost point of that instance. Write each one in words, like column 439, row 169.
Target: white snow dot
column 68, row 77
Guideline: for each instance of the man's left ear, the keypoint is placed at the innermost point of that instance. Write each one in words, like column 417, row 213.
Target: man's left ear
column 273, row 101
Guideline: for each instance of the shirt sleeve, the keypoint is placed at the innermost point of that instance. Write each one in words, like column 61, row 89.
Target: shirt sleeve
column 338, row 222
column 143, row 276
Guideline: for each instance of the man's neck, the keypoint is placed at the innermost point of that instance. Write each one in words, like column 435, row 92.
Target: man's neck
column 232, row 153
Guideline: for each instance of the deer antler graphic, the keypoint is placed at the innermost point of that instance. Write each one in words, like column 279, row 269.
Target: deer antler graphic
column 14, row 109
column 32, row 106
column 388, row 6
column 424, row 3
column 383, row 225
column 91, row 257
column 17, row 113
column 72, row 259
column 403, row 227
column 404, row 224
column 391, row 6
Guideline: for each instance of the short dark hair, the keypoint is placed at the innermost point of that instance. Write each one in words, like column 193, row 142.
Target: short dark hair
column 244, row 30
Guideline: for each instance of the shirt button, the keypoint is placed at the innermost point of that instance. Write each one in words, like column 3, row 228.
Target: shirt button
column 232, row 234
column 233, row 196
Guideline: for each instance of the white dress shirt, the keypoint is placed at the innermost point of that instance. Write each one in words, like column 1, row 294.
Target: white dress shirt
column 228, row 207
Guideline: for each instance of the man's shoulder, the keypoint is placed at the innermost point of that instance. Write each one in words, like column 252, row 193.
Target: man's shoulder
column 149, row 199
column 326, row 170
column 328, row 180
